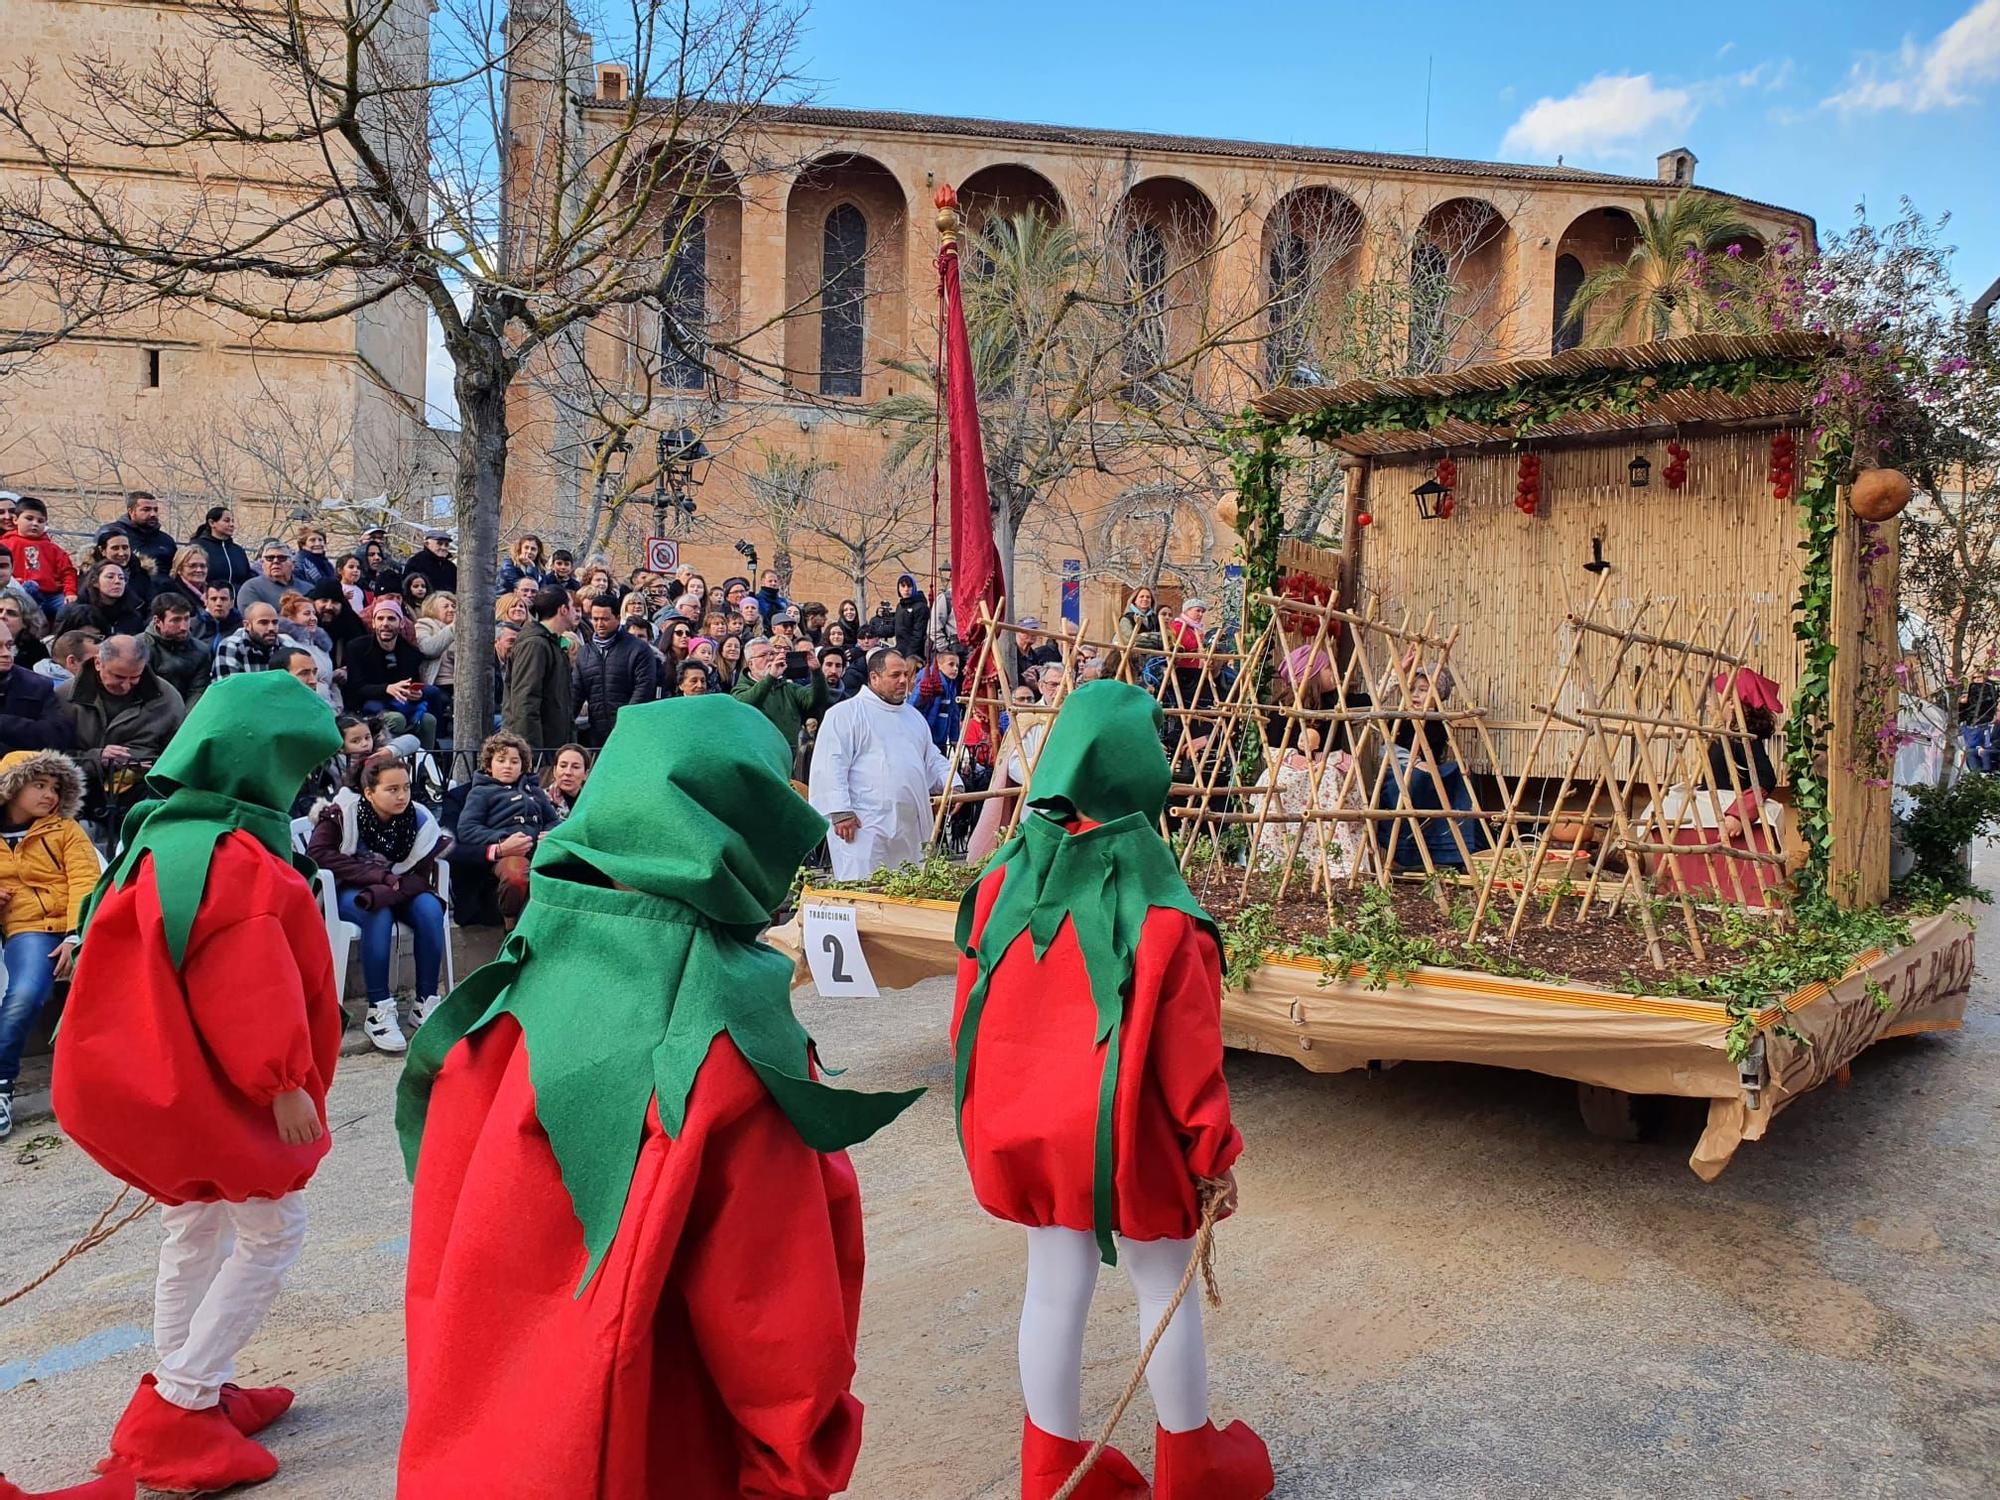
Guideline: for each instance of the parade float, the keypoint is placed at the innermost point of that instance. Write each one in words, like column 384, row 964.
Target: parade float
column 1570, row 753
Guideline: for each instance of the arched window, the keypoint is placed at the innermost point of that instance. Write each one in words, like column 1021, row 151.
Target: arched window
column 1146, row 344
column 1290, row 272
column 1431, row 292
column 843, row 292
column 1569, row 277
column 684, row 307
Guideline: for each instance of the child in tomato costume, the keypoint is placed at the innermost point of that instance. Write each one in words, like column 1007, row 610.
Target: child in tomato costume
column 194, row 1058
column 635, row 1246
column 1090, row 1095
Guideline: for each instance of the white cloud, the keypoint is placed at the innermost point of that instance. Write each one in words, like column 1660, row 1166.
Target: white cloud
column 1605, row 117
column 1939, row 74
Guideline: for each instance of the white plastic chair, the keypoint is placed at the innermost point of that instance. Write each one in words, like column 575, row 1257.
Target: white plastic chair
column 342, row 935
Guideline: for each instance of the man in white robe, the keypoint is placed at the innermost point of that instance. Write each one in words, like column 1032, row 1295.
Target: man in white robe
column 874, row 772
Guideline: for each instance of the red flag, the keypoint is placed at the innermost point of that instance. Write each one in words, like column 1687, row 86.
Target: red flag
column 975, row 560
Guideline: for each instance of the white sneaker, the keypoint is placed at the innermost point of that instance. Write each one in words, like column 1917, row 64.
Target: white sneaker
column 420, row 1011
column 6, row 1112
column 384, row 1032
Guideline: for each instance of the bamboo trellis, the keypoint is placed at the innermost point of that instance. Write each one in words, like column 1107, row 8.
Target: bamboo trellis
column 1366, row 710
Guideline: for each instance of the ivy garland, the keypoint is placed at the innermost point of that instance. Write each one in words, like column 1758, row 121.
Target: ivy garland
column 1260, row 460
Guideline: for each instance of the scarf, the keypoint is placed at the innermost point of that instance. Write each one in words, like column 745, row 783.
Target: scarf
column 1102, row 763
column 640, row 946
column 392, row 838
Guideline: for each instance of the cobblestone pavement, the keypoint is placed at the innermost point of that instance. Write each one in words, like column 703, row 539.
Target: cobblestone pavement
column 1439, row 1287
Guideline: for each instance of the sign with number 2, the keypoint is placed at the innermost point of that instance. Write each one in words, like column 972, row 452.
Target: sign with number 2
column 833, row 951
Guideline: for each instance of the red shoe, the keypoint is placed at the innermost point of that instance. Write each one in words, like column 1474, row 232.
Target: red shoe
column 1232, row 1464
column 1047, row 1462
column 168, row 1447
column 111, row 1487
column 251, row 1409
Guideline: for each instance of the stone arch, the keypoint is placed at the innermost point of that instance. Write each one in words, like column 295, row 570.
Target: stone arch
column 1311, row 259
column 1162, row 232
column 836, row 202
column 1461, row 286
column 1595, row 239
column 1005, row 189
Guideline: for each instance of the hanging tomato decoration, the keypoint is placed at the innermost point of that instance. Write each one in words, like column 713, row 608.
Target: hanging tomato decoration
column 1362, row 518
column 1784, row 454
column 1676, row 472
column 1528, row 484
column 1446, row 506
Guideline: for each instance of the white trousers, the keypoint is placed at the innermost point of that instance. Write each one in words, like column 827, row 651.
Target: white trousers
column 1062, row 1275
column 220, row 1269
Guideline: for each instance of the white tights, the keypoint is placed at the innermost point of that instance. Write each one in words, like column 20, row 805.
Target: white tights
column 1062, row 1275
column 220, row 1268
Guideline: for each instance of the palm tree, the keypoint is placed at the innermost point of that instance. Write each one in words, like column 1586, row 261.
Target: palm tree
column 1666, row 280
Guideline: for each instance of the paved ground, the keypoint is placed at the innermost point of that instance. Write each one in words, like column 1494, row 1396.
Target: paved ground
column 1438, row 1287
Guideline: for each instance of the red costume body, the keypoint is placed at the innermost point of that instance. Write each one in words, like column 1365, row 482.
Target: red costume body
column 700, row 1362
column 165, row 1076
column 1030, row 1114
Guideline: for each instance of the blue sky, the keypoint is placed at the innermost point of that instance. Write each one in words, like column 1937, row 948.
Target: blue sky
column 1815, row 107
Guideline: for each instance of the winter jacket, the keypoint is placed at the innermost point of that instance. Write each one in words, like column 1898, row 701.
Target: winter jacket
column 937, row 700
column 185, row 663
column 370, row 670
column 310, row 570
column 153, row 543
column 913, row 620
column 495, row 811
column 335, row 846
column 120, row 616
column 227, row 562
column 240, row 651
column 434, row 639
column 511, row 574
column 440, row 572
column 262, row 590
column 786, row 704
column 540, row 707
column 611, row 675
column 30, row 717
column 770, row 601
column 53, row 868
column 142, row 721
column 42, row 563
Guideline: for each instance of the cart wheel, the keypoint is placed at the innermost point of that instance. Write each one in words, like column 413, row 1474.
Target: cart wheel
column 1613, row 1114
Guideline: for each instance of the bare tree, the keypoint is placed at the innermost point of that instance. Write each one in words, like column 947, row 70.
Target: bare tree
column 404, row 156
column 851, row 523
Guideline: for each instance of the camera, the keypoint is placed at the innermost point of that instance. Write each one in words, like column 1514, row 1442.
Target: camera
column 749, row 553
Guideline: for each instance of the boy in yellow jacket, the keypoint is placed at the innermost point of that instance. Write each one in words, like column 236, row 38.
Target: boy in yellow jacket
column 48, row 867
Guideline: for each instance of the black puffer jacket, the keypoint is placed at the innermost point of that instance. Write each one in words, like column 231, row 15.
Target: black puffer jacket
column 612, row 674
column 913, row 620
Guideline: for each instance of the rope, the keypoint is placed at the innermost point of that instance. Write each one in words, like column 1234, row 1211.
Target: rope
column 1212, row 1191
column 94, row 1236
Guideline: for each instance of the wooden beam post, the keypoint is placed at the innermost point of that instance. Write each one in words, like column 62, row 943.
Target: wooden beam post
column 1864, row 697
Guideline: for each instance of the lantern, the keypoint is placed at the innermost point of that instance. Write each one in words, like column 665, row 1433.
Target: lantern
column 1431, row 499
column 1641, row 470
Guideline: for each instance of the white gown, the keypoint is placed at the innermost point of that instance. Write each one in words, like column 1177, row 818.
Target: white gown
column 876, row 760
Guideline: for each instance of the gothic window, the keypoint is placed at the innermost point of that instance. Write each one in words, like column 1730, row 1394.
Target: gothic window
column 843, row 292
column 1146, row 344
column 1430, row 306
column 1289, row 271
column 1569, row 277
column 684, row 309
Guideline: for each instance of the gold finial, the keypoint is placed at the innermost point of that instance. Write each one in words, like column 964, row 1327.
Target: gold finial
column 948, row 221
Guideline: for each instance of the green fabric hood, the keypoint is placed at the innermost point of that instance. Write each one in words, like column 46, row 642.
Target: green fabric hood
column 236, row 762
column 639, row 946
column 1103, row 762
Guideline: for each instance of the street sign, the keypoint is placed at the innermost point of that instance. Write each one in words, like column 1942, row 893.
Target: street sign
column 833, row 952
column 663, row 554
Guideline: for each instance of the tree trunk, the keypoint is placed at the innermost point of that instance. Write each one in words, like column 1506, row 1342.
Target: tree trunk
column 482, row 470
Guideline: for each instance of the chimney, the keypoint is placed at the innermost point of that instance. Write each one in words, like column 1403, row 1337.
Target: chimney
column 613, row 81
column 1677, row 166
